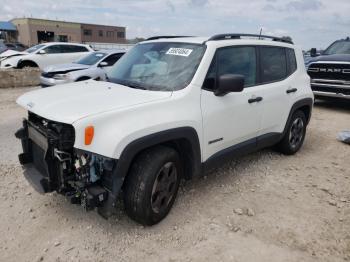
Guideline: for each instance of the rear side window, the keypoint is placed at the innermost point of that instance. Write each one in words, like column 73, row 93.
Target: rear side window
column 53, row 49
column 77, row 49
column 233, row 60
column 273, row 64
column 74, row 49
column 292, row 61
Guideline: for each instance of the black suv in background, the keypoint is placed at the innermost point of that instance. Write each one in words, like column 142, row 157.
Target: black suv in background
column 330, row 71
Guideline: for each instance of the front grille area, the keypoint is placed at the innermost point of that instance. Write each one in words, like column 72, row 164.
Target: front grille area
column 329, row 71
column 330, row 89
column 48, row 74
column 60, row 135
column 39, row 159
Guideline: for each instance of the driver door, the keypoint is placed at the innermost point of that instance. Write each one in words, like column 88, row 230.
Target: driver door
column 231, row 119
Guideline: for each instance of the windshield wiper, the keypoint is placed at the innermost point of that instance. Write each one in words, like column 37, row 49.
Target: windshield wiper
column 127, row 83
column 134, row 85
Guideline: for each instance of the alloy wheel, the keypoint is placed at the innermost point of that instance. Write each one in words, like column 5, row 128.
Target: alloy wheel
column 296, row 133
column 164, row 187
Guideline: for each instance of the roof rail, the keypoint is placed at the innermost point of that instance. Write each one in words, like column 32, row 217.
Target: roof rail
column 238, row 36
column 164, row 36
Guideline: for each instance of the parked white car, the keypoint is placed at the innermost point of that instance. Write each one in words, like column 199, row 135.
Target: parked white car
column 92, row 66
column 44, row 55
column 173, row 108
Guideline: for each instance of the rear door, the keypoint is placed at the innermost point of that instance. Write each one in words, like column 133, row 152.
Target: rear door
column 74, row 52
column 277, row 68
column 231, row 119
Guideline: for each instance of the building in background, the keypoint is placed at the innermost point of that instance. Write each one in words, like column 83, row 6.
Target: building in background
column 32, row 31
column 8, row 32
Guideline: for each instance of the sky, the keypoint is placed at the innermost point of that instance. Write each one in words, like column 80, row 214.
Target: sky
column 310, row 23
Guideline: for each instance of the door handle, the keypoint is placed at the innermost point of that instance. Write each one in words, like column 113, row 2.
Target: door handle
column 292, row 90
column 255, row 99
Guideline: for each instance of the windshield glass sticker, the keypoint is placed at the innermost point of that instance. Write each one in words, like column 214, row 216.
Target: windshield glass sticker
column 179, row 51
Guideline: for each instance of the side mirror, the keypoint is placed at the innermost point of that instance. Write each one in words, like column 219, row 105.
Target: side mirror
column 313, row 52
column 103, row 64
column 229, row 83
column 42, row 52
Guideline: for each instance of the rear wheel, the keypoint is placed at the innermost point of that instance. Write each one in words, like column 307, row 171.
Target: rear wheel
column 152, row 184
column 295, row 135
column 26, row 64
column 83, row 78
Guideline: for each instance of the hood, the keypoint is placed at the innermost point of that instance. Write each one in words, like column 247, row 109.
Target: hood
column 10, row 53
column 71, row 102
column 65, row 68
column 335, row 58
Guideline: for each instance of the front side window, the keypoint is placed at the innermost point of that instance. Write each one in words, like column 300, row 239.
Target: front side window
column 273, row 64
column 54, row 49
column 112, row 59
column 91, row 59
column 75, row 49
column 160, row 66
column 233, row 60
column 34, row 48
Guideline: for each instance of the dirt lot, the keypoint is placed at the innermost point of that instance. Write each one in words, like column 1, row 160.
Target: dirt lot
column 263, row 207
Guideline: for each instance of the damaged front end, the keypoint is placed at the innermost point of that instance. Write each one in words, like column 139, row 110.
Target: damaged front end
column 51, row 163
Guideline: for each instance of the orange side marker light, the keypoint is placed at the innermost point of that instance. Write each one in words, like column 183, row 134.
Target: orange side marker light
column 89, row 134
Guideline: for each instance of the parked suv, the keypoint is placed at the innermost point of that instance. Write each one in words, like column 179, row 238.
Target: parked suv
column 3, row 47
column 174, row 108
column 43, row 55
column 330, row 71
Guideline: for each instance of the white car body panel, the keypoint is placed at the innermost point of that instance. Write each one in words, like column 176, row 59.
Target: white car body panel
column 76, row 71
column 10, row 59
column 120, row 114
column 71, row 102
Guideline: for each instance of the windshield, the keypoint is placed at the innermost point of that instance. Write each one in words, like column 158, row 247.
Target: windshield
column 158, row 66
column 341, row 47
column 91, row 59
column 34, row 48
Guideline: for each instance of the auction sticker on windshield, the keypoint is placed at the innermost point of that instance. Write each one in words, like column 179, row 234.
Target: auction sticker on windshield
column 179, row 51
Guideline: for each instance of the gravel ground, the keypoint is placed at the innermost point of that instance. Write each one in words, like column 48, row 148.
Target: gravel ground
column 262, row 207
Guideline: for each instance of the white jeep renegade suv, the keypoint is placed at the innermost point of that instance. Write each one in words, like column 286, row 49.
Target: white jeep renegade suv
column 173, row 107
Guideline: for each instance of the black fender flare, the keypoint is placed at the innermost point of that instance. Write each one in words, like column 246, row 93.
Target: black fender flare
column 188, row 134
column 132, row 149
column 20, row 62
column 297, row 105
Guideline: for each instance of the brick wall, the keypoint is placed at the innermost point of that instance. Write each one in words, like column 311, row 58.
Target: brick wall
column 19, row 77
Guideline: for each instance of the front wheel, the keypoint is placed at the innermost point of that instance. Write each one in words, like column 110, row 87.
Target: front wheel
column 152, row 184
column 295, row 134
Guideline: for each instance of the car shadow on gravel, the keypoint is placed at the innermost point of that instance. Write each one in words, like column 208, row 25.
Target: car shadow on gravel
column 334, row 104
column 191, row 191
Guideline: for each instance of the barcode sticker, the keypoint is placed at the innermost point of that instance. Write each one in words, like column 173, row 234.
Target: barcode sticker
column 179, row 51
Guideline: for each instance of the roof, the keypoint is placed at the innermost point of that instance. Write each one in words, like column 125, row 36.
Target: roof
column 63, row 43
column 111, row 51
column 192, row 40
column 221, row 42
column 7, row 26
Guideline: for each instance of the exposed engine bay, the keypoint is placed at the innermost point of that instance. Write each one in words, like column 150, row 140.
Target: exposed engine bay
column 51, row 163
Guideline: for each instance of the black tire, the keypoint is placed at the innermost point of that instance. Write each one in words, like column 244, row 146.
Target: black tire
column 83, row 78
column 143, row 203
column 295, row 134
column 25, row 64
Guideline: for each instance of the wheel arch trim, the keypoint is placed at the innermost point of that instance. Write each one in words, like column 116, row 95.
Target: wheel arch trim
column 296, row 106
